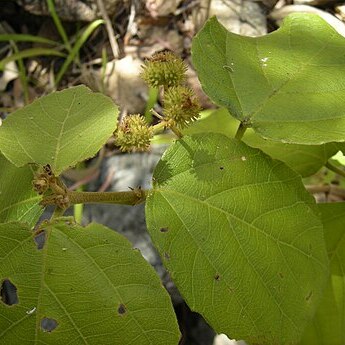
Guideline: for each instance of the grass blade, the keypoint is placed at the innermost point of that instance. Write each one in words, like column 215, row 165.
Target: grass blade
column 58, row 24
column 73, row 53
column 25, row 38
column 29, row 53
column 22, row 74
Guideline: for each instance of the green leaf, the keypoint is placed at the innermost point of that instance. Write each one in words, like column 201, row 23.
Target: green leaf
column 89, row 281
column 60, row 129
column 328, row 324
column 304, row 159
column 18, row 201
column 341, row 147
column 240, row 237
column 288, row 85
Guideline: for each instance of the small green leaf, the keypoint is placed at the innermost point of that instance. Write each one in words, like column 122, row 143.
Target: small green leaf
column 240, row 237
column 305, row 159
column 328, row 325
column 18, row 201
column 288, row 85
column 60, row 129
column 88, row 283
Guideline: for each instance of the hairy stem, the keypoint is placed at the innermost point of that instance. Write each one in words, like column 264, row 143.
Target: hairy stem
column 133, row 197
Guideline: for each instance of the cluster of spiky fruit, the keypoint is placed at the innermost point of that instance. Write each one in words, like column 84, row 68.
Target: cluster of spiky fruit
column 164, row 69
column 133, row 134
column 181, row 107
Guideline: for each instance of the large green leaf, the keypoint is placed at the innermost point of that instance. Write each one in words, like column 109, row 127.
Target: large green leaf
column 240, row 236
column 60, row 129
column 328, row 326
column 341, row 147
column 305, row 159
column 18, row 201
column 288, row 85
column 89, row 282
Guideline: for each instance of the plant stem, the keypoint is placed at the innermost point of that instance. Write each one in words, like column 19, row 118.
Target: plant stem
column 133, row 197
column 166, row 124
column 104, row 68
column 78, row 208
column 176, row 131
column 159, row 116
column 240, row 131
column 152, row 99
column 335, row 169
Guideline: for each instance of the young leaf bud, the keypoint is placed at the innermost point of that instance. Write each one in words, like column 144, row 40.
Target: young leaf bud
column 164, row 69
column 62, row 201
column 133, row 134
column 181, row 106
column 40, row 184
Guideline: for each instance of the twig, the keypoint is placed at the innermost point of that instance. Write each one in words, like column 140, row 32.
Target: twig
column 111, row 34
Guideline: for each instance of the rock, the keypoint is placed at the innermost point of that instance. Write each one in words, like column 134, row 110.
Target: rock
column 157, row 38
column 240, row 16
column 160, row 8
column 73, row 10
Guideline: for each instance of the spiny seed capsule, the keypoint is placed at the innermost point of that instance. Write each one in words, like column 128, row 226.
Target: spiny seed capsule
column 133, row 134
column 164, row 69
column 181, row 106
